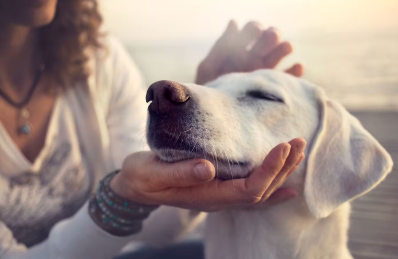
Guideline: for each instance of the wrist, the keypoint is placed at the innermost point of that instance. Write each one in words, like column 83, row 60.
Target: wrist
column 106, row 223
column 120, row 186
column 115, row 214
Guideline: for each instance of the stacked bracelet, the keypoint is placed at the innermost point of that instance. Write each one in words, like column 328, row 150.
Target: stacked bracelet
column 114, row 213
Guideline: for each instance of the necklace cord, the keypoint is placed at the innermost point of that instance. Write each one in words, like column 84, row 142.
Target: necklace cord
column 28, row 97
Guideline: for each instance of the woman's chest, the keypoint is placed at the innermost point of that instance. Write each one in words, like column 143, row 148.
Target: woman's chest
column 34, row 196
column 27, row 126
column 32, row 202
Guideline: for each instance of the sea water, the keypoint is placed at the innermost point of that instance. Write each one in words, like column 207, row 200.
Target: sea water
column 358, row 69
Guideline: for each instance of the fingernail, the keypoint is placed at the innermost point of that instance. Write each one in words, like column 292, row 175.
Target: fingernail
column 300, row 159
column 202, row 172
column 300, row 147
column 286, row 152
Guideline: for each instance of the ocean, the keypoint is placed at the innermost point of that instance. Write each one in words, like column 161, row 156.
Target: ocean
column 360, row 70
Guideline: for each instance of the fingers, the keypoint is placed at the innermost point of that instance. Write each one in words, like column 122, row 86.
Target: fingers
column 233, row 192
column 191, row 184
column 260, row 180
column 277, row 54
column 238, row 53
column 236, row 192
column 149, row 174
column 231, row 52
column 296, row 70
column 231, row 29
column 214, row 195
column 180, row 174
column 263, row 46
column 184, row 185
column 294, row 159
column 250, row 32
column 212, row 66
column 234, row 40
column 279, row 196
column 268, row 41
column 221, row 49
column 211, row 196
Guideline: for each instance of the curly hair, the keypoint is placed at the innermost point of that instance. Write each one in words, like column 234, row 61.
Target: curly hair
column 65, row 40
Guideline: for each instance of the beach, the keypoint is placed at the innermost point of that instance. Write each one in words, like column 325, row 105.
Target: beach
column 358, row 69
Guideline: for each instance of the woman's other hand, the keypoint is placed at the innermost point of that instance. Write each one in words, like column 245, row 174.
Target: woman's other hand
column 245, row 50
column 191, row 184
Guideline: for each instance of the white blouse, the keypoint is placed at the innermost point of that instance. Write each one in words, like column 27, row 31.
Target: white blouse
column 43, row 205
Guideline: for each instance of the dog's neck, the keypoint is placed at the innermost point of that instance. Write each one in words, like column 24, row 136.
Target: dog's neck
column 285, row 231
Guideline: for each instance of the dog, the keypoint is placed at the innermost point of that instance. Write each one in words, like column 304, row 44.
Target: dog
column 234, row 122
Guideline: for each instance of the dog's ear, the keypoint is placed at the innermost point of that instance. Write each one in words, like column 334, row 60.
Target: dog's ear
column 344, row 162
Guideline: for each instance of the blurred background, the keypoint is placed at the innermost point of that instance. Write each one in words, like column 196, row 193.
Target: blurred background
column 350, row 47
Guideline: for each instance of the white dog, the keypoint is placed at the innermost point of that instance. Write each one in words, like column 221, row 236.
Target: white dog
column 240, row 117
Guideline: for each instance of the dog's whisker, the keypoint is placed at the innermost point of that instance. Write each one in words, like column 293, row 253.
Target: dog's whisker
column 190, row 152
column 216, row 156
column 230, row 168
column 212, row 154
column 187, row 130
column 234, row 158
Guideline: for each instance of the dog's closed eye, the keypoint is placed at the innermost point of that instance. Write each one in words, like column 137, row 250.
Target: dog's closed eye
column 257, row 94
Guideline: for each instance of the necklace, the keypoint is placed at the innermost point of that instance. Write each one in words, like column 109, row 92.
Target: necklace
column 24, row 114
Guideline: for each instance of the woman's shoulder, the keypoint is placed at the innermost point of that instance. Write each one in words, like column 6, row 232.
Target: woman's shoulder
column 113, row 51
column 112, row 70
column 113, row 59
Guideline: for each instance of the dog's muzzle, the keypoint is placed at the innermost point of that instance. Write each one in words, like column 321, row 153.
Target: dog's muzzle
column 172, row 112
column 177, row 129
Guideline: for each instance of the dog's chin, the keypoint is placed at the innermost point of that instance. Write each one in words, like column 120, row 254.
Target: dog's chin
column 225, row 169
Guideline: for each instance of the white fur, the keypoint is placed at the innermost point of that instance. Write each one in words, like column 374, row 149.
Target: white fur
column 343, row 161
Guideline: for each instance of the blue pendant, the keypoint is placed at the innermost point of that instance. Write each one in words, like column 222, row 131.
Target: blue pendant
column 25, row 129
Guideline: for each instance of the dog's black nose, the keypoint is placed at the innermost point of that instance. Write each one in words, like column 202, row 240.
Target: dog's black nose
column 166, row 96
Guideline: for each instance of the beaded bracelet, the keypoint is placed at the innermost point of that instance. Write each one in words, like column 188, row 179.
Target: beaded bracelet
column 106, row 223
column 116, row 214
column 120, row 203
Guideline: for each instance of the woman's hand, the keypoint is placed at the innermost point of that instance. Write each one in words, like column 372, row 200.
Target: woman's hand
column 231, row 53
column 190, row 184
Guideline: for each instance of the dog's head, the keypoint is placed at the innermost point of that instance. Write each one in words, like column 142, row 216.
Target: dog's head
column 237, row 119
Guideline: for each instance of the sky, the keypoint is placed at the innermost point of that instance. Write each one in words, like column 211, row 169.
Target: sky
column 187, row 20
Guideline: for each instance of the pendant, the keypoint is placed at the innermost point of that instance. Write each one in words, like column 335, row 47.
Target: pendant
column 26, row 128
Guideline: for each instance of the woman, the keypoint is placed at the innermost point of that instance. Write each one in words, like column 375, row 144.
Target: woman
column 72, row 110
